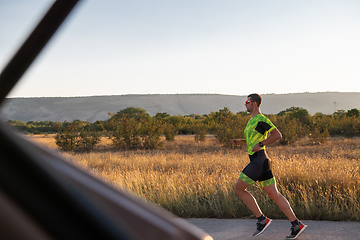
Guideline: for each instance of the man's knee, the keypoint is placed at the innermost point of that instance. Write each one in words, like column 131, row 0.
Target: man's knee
column 273, row 195
column 272, row 192
column 239, row 191
column 240, row 187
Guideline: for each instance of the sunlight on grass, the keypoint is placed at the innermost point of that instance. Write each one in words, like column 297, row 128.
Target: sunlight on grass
column 193, row 179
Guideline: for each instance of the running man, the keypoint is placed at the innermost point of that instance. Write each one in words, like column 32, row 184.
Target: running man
column 259, row 168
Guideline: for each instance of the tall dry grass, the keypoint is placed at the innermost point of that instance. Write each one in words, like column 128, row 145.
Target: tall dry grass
column 321, row 182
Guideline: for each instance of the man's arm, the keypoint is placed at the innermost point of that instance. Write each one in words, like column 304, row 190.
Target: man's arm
column 275, row 136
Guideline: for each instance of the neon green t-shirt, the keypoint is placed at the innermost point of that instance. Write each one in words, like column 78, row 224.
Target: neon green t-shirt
column 256, row 131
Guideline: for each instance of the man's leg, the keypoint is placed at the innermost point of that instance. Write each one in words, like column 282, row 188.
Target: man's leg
column 297, row 226
column 247, row 198
column 263, row 222
column 281, row 201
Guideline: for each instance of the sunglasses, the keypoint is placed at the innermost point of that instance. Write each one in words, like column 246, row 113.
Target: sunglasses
column 247, row 101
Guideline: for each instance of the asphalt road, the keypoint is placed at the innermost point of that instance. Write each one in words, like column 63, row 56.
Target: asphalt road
column 242, row 229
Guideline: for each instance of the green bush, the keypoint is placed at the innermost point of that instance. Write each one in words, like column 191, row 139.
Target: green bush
column 229, row 126
column 200, row 130
column 133, row 128
column 169, row 132
column 291, row 129
column 152, row 129
column 319, row 129
column 125, row 132
column 77, row 137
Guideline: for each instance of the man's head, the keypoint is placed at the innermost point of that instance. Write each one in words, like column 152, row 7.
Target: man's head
column 253, row 102
column 256, row 98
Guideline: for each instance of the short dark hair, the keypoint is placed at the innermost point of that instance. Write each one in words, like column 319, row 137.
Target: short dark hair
column 256, row 97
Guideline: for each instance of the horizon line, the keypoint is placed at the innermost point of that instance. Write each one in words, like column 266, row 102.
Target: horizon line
column 147, row 94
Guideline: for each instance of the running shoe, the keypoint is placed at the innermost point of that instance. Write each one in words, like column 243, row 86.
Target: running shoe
column 261, row 226
column 296, row 231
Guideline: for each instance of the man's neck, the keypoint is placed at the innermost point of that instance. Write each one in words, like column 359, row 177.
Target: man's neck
column 255, row 112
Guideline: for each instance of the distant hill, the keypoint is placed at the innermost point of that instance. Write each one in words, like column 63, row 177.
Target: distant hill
column 97, row 107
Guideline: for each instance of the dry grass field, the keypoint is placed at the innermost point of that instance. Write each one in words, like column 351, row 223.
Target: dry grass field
column 191, row 179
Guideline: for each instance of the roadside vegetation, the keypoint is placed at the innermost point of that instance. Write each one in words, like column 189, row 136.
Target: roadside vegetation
column 133, row 128
column 193, row 174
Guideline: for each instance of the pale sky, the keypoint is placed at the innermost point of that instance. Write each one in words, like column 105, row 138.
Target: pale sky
column 235, row 47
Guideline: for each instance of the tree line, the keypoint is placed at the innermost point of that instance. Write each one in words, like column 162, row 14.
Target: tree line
column 134, row 128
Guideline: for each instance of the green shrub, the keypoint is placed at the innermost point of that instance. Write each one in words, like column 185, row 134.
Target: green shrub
column 125, row 132
column 77, row 137
column 136, row 130
column 169, row 132
column 200, row 130
column 230, row 126
column 291, row 129
column 152, row 129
